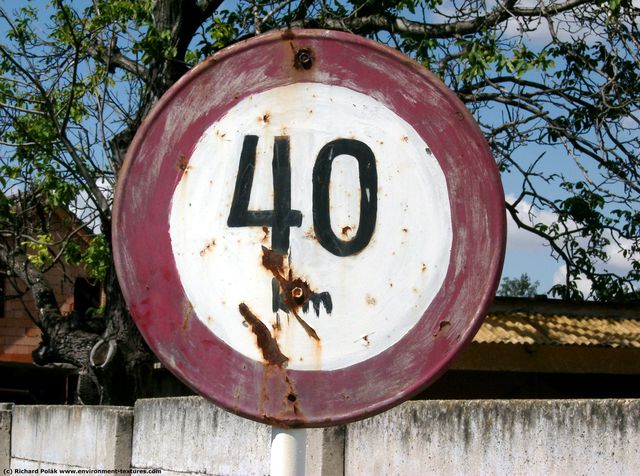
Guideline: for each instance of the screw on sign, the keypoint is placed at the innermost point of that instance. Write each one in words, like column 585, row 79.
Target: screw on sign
column 309, row 227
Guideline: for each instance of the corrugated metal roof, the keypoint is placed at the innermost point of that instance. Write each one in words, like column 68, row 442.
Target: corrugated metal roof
column 557, row 323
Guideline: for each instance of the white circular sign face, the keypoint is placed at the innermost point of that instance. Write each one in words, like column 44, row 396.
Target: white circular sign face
column 314, row 195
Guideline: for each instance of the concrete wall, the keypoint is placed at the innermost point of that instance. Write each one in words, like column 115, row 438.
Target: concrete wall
column 528, row 437
column 190, row 436
column 5, row 434
column 49, row 437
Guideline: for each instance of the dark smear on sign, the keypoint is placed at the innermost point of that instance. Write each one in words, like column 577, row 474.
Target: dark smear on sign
column 268, row 345
column 302, row 295
column 295, row 291
column 277, row 327
column 317, row 299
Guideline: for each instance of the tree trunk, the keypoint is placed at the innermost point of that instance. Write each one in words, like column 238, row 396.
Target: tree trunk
column 113, row 363
column 63, row 339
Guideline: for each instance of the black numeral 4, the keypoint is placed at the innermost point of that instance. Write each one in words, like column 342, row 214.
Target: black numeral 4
column 282, row 217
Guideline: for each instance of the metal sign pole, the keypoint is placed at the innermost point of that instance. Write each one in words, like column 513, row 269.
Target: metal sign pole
column 288, row 452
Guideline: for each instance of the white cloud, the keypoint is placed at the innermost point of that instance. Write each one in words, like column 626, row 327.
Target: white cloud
column 85, row 209
column 536, row 31
column 560, row 277
column 566, row 26
column 617, row 262
column 520, row 239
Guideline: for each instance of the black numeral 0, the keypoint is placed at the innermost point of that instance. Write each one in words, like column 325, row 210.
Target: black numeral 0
column 368, row 196
column 282, row 217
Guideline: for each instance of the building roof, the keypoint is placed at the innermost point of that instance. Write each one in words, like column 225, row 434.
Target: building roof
column 555, row 322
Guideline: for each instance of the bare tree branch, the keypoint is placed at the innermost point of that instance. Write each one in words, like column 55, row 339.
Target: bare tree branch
column 501, row 13
column 113, row 58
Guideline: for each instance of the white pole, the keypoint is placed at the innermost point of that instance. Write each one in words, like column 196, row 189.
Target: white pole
column 288, row 451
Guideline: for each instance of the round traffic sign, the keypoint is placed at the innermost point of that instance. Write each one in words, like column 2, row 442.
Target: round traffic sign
column 308, row 227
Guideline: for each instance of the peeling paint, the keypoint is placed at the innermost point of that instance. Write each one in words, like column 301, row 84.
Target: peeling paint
column 441, row 327
column 186, row 315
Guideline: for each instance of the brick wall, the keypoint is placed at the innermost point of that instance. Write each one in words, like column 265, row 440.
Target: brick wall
column 19, row 336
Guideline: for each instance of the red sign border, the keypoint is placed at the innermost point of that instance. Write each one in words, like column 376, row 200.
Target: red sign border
column 158, row 156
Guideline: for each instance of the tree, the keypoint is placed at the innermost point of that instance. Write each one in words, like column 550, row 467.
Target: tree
column 518, row 287
column 551, row 82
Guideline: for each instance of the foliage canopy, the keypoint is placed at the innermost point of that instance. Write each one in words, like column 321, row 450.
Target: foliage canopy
column 518, row 287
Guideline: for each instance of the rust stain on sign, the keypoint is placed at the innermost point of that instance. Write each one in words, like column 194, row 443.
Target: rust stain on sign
column 278, row 400
column 186, row 315
column 268, row 345
column 183, row 163
column 296, row 291
column 208, row 247
column 292, row 397
column 303, row 58
column 265, row 118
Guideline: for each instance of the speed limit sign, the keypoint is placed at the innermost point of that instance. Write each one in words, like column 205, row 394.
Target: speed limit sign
column 308, row 227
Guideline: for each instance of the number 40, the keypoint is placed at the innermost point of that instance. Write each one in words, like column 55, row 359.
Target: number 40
column 282, row 217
